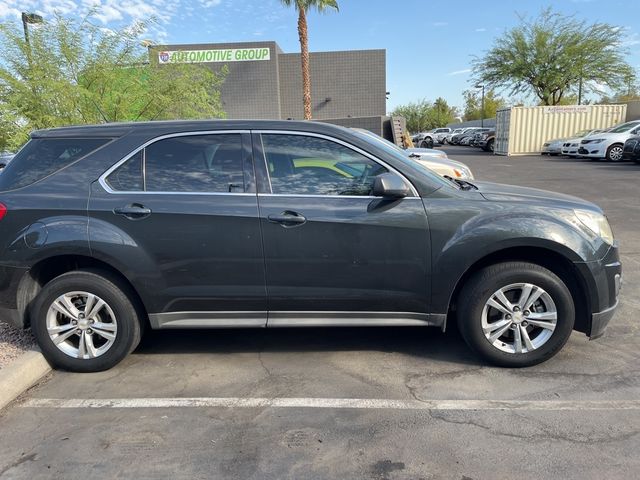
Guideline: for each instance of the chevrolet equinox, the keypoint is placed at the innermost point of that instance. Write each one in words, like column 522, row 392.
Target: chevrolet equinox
column 109, row 229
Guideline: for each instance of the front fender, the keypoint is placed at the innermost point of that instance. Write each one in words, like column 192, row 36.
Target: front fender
column 482, row 234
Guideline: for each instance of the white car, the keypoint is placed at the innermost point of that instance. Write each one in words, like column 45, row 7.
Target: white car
column 438, row 161
column 435, row 160
column 447, row 138
column 553, row 147
column 609, row 145
column 571, row 145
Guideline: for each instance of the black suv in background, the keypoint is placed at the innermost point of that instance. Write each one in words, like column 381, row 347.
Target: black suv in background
column 108, row 229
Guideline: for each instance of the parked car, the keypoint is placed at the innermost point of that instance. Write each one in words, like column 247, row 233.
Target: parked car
column 487, row 141
column 571, row 145
column 553, row 147
column 447, row 137
column 455, row 139
column 423, row 140
column 477, row 136
column 609, row 145
column 631, row 150
column 440, row 135
column 442, row 165
column 214, row 224
column 435, row 160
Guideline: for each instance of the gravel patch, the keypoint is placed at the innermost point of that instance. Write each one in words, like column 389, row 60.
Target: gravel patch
column 13, row 342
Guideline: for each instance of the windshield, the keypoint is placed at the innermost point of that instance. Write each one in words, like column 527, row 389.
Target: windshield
column 624, row 127
column 400, row 155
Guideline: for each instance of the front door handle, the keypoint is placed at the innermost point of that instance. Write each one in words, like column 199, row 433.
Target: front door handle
column 288, row 219
column 134, row 211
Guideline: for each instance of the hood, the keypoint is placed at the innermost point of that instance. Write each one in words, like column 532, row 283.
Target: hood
column 498, row 192
column 556, row 140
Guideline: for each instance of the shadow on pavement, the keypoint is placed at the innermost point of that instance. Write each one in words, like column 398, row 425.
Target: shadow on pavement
column 423, row 342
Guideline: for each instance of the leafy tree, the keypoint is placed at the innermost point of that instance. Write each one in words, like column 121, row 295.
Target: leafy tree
column 473, row 104
column 630, row 92
column 73, row 72
column 303, row 6
column 554, row 55
column 424, row 115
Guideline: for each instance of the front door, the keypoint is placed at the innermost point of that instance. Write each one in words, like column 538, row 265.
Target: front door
column 182, row 216
column 335, row 254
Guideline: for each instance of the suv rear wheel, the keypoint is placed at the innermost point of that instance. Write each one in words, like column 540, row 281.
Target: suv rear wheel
column 516, row 314
column 85, row 322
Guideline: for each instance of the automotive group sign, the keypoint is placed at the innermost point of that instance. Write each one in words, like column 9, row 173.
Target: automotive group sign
column 215, row 56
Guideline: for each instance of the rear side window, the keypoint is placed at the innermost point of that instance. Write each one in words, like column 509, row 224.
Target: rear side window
column 41, row 157
column 191, row 163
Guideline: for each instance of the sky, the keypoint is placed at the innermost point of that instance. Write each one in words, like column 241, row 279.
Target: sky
column 429, row 43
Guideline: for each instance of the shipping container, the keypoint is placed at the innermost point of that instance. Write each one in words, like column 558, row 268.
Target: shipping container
column 523, row 130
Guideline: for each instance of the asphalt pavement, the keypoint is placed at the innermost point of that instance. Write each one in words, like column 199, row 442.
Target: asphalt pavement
column 344, row 403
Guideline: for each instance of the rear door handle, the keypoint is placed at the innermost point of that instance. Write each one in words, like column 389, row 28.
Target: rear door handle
column 133, row 211
column 288, row 219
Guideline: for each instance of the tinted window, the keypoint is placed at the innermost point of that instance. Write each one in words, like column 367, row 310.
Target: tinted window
column 198, row 163
column 128, row 177
column 43, row 156
column 301, row 165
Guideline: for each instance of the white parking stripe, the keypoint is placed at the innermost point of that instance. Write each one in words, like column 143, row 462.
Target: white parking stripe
column 352, row 403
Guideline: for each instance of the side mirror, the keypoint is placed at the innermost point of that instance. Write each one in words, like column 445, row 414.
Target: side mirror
column 390, row 185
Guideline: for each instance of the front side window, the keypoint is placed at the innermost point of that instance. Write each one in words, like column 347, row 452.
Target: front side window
column 193, row 163
column 302, row 165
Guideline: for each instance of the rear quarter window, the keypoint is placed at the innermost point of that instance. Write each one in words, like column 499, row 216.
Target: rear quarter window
column 41, row 157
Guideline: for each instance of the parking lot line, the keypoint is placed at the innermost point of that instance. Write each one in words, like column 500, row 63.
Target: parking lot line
column 337, row 403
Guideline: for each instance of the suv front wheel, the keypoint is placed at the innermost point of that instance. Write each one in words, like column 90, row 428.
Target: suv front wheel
column 516, row 314
column 85, row 322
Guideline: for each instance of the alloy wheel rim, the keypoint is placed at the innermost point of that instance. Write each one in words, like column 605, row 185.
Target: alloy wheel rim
column 81, row 325
column 519, row 318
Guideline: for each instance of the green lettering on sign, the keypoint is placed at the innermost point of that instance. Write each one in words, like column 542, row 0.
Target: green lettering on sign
column 215, row 56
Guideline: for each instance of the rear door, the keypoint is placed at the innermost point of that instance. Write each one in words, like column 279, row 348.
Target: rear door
column 181, row 215
column 335, row 254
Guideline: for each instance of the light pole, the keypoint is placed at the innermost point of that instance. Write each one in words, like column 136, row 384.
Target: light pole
column 482, row 106
column 29, row 18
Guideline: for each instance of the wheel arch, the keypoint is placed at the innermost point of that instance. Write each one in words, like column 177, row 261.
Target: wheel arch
column 49, row 268
column 547, row 258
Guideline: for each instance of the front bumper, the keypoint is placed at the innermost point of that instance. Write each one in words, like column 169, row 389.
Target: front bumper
column 604, row 282
column 592, row 151
column 551, row 150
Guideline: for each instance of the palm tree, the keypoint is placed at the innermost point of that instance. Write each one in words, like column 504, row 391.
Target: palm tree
column 303, row 6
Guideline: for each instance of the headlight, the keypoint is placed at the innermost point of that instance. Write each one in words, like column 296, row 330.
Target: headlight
column 595, row 140
column 596, row 223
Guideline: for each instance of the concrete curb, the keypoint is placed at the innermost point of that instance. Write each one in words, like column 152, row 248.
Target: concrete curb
column 20, row 375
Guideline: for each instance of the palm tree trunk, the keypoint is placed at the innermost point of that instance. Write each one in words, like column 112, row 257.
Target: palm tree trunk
column 304, row 57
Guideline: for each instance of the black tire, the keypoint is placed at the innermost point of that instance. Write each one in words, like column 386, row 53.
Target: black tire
column 426, row 143
column 491, row 145
column 109, row 289
column 614, row 152
column 481, row 287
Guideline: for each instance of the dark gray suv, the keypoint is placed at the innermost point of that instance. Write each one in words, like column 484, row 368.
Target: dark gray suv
column 110, row 229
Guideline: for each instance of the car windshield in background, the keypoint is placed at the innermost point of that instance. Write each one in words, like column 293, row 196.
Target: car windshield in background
column 625, row 127
column 401, row 155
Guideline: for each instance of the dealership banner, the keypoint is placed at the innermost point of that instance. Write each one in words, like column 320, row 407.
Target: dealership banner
column 215, row 56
